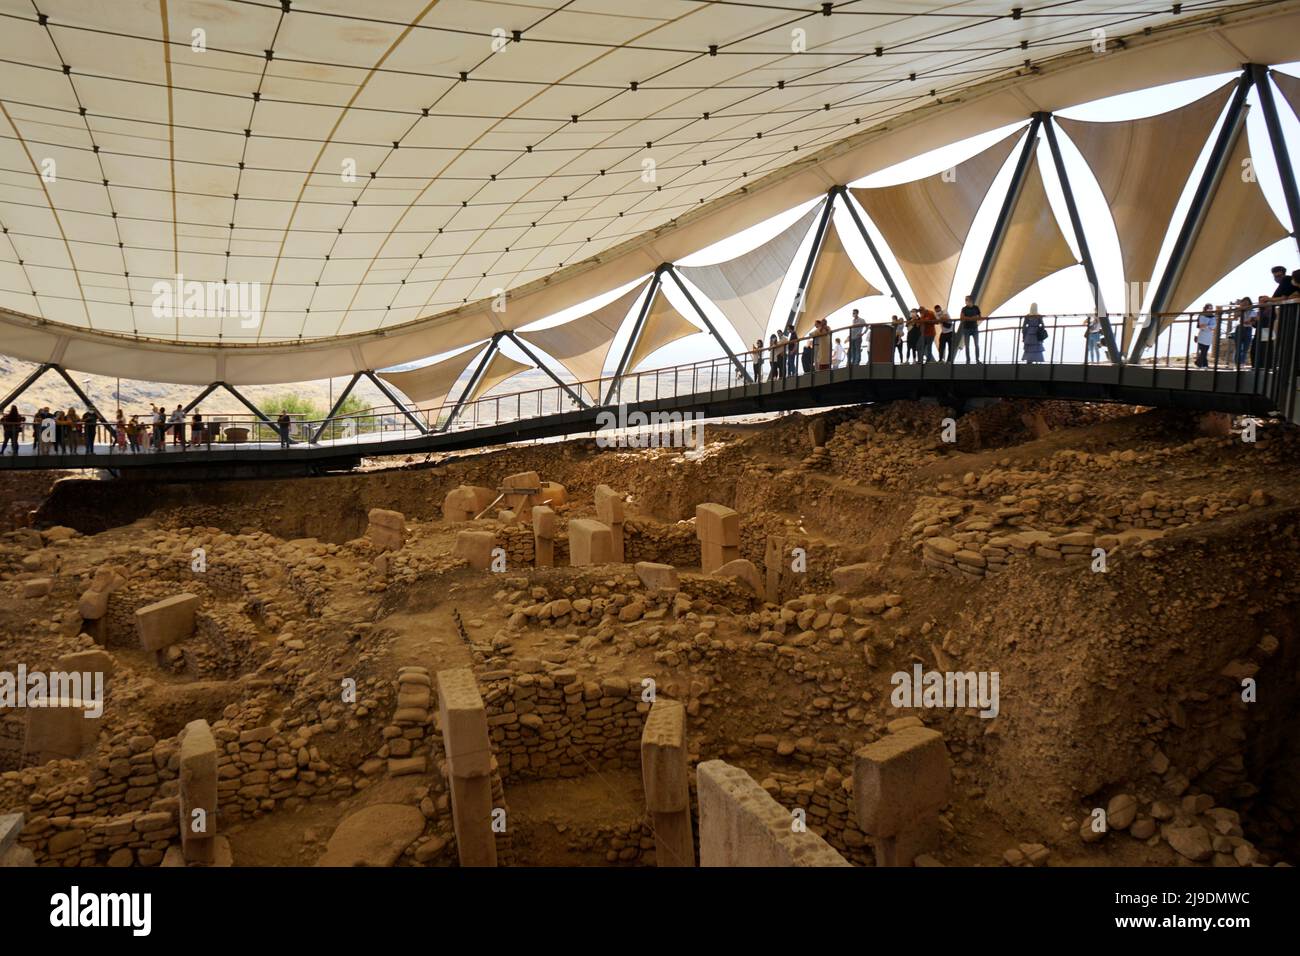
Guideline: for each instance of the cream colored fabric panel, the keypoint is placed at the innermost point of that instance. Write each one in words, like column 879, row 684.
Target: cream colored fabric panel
column 1238, row 224
column 745, row 288
column 1032, row 249
column 1142, row 167
column 429, row 385
column 663, row 324
column 1290, row 87
column 499, row 369
column 835, row 282
column 925, row 222
column 582, row 345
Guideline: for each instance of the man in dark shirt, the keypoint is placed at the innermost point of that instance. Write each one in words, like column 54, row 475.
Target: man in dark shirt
column 970, row 327
column 1285, row 287
column 283, row 424
column 90, row 420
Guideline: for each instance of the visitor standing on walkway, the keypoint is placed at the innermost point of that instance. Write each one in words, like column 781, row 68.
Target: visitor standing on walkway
column 90, row 422
column 159, row 416
column 758, row 360
column 120, row 431
column 13, row 429
column 283, row 423
column 946, row 352
column 1207, row 323
column 791, row 352
column 822, row 344
column 929, row 331
column 1244, row 334
column 857, row 329
column 1033, row 333
column 970, row 327
column 178, row 426
column 806, row 355
column 1093, row 336
column 776, row 356
column 914, row 336
column 838, row 355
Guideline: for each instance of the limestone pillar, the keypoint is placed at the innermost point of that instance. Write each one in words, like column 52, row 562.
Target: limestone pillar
column 469, row 765
column 590, row 542
column 198, row 793
column 543, row 537
column 773, row 565
column 476, row 548
column 60, row 727
column 609, row 510
column 386, row 529
column 741, row 825
column 718, row 529
column 667, row 788
column 900, row 783
column 166, row 622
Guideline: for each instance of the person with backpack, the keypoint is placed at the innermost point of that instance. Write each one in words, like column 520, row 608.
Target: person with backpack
column 1033, row 333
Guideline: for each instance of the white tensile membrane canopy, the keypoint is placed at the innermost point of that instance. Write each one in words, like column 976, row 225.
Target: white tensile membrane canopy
column 499, row 368
column 926, row 221
column 429, row 385
column 745, row 288
column 582, row 345
column 663, row 326
column 1237, row 224
column 1033, row 247
column 1290, row 87
column 834, row 283
column 368, row 180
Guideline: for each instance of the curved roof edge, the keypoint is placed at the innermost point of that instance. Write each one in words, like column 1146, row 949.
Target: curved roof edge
column 1216, row 44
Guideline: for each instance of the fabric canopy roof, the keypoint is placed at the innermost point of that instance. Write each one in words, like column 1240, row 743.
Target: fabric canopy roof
column 926, row 221
column 663, row 324
column 835, row 282
column 745, row 288
column 1032, row 249
column 232, row 159
column 582, row 344
column 1142, row 166
column 500, row 368
column 1237, row 224
column 429, row 385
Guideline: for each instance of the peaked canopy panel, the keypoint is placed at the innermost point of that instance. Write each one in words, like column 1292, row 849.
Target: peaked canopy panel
column 835, row 282
column 1142, row 166
column 429, row 385
column 1033, row 247
column 745, row 288
column 1238, row 223
column 925, row 222
column 1290, row 87
column 582, row 345
column 499, row 369
column 663, row 324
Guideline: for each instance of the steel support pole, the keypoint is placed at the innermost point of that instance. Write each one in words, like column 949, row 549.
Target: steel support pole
column 1281, row 154
column 1233, row 125
column 744, row 373
column 1076, row 223
column 85, row 399
column 581, row 402
column 338, row 403
column 819, row 235
column 1008, row 207
column 871, row 247
column 473, row 379
column 389, row 394
column 27, row 383
column 247, row 404
column 651, row 291
column 202, row 395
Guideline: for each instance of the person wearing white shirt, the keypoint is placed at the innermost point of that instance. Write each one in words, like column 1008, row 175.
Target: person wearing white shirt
column 1207, row 323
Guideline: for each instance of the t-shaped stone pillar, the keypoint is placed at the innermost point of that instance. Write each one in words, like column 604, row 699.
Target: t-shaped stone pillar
column 61, row 727
column 741, row 825
column 590, row 542
column 469, row 765
column 667, row 789
column 718, row 529
column 166, row 622
column 198, row 792
column 609, row 510
column 543, row 537
column 900, row 783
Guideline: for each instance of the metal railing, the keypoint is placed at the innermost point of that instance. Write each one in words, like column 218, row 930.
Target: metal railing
column 1004, row 347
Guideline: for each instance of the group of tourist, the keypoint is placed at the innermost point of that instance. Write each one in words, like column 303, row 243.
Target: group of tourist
column 70, row 432
column 786, row 354
column 1248, row 325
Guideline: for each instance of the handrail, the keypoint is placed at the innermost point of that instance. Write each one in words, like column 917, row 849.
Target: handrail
column 1001, row 342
